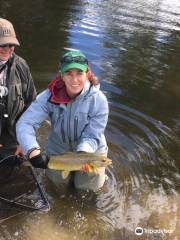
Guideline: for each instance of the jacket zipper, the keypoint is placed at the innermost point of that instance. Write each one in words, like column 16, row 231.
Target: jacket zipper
column 69, row 127
column 62, row 131
column 75, row 127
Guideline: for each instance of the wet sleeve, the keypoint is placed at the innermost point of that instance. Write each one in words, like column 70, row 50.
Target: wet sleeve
column 31, row 120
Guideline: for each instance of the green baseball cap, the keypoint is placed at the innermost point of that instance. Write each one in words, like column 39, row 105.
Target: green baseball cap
column 73, row 59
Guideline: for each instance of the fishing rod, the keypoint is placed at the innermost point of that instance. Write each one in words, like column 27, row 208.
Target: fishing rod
column 42, row 207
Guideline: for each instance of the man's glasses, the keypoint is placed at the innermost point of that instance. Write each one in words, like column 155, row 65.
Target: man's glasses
column 7, row 46
column 78, row 59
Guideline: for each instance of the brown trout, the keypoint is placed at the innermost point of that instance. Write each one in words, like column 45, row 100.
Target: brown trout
column 76, row 161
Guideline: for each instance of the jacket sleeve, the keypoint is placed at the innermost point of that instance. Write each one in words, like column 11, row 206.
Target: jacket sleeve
column 31, row 120
column 93, row 133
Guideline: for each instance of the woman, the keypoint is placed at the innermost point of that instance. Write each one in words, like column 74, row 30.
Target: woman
column 78, row 111
column 16, row 89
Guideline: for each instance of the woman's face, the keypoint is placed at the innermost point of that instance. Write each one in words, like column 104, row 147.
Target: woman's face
column 6, row 52
column 74, row 80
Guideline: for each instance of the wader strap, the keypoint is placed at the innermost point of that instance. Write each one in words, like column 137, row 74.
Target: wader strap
column 1, row 114
column 3, row 75
column 2, row 68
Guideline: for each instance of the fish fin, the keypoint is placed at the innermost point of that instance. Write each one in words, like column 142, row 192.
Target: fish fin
column 87, row 168
column 95, row 170
column 65, row 174
column 90, row 168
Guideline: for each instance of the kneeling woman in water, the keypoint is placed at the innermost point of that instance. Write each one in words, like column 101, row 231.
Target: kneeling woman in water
column 78, row 111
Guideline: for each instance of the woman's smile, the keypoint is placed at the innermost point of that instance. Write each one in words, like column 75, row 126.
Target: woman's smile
column 74, row 80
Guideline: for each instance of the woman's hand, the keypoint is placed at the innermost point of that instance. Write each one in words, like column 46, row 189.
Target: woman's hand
column 38, row 160
column 85, row 167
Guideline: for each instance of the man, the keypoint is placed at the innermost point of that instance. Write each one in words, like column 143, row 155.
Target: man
column 17, row 89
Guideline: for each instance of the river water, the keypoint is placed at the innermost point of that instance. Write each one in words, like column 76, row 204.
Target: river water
column 134, row 49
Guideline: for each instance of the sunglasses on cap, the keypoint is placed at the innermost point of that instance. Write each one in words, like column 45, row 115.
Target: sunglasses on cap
column 77, row 59
column 7, row 45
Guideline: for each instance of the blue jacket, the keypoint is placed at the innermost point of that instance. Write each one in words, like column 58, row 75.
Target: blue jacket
column 76, row 126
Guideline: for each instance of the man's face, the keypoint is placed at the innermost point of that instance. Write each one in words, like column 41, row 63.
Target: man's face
column 6, row 51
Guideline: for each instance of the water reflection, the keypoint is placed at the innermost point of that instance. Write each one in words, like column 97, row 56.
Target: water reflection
column 133, row 47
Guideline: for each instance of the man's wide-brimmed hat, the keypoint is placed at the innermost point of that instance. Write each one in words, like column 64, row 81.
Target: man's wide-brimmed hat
column 7, row 33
